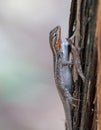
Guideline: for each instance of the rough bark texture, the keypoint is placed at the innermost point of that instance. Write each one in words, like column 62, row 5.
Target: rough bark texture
column 84, row 22
column 98, row 39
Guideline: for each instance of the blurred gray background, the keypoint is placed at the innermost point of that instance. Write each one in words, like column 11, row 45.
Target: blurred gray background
column 28, row 96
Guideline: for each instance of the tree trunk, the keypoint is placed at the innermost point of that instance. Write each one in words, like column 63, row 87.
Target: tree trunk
column 83, row 17
column 98, row 39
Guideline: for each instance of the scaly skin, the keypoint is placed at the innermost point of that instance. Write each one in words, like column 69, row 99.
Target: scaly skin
column 62, row 72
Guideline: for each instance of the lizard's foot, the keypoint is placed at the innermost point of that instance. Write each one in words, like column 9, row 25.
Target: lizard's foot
column 75, row 99
column 73, row 105
column 71, row 99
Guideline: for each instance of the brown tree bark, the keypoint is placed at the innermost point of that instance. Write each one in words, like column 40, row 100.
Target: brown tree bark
column 83, row 17
column 98, row 39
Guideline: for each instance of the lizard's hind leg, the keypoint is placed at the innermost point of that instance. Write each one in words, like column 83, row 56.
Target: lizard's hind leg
column 70, row 98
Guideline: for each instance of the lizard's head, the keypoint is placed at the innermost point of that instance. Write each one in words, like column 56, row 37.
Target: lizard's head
column 55, row 39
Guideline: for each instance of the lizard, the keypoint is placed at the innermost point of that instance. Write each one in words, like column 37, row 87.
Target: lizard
column 62, row 72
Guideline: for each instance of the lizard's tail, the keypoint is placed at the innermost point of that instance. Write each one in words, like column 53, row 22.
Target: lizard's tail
column 67, row 109
column 68, row 115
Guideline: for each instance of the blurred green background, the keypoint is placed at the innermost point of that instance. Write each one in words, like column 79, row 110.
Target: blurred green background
column 28, row 96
